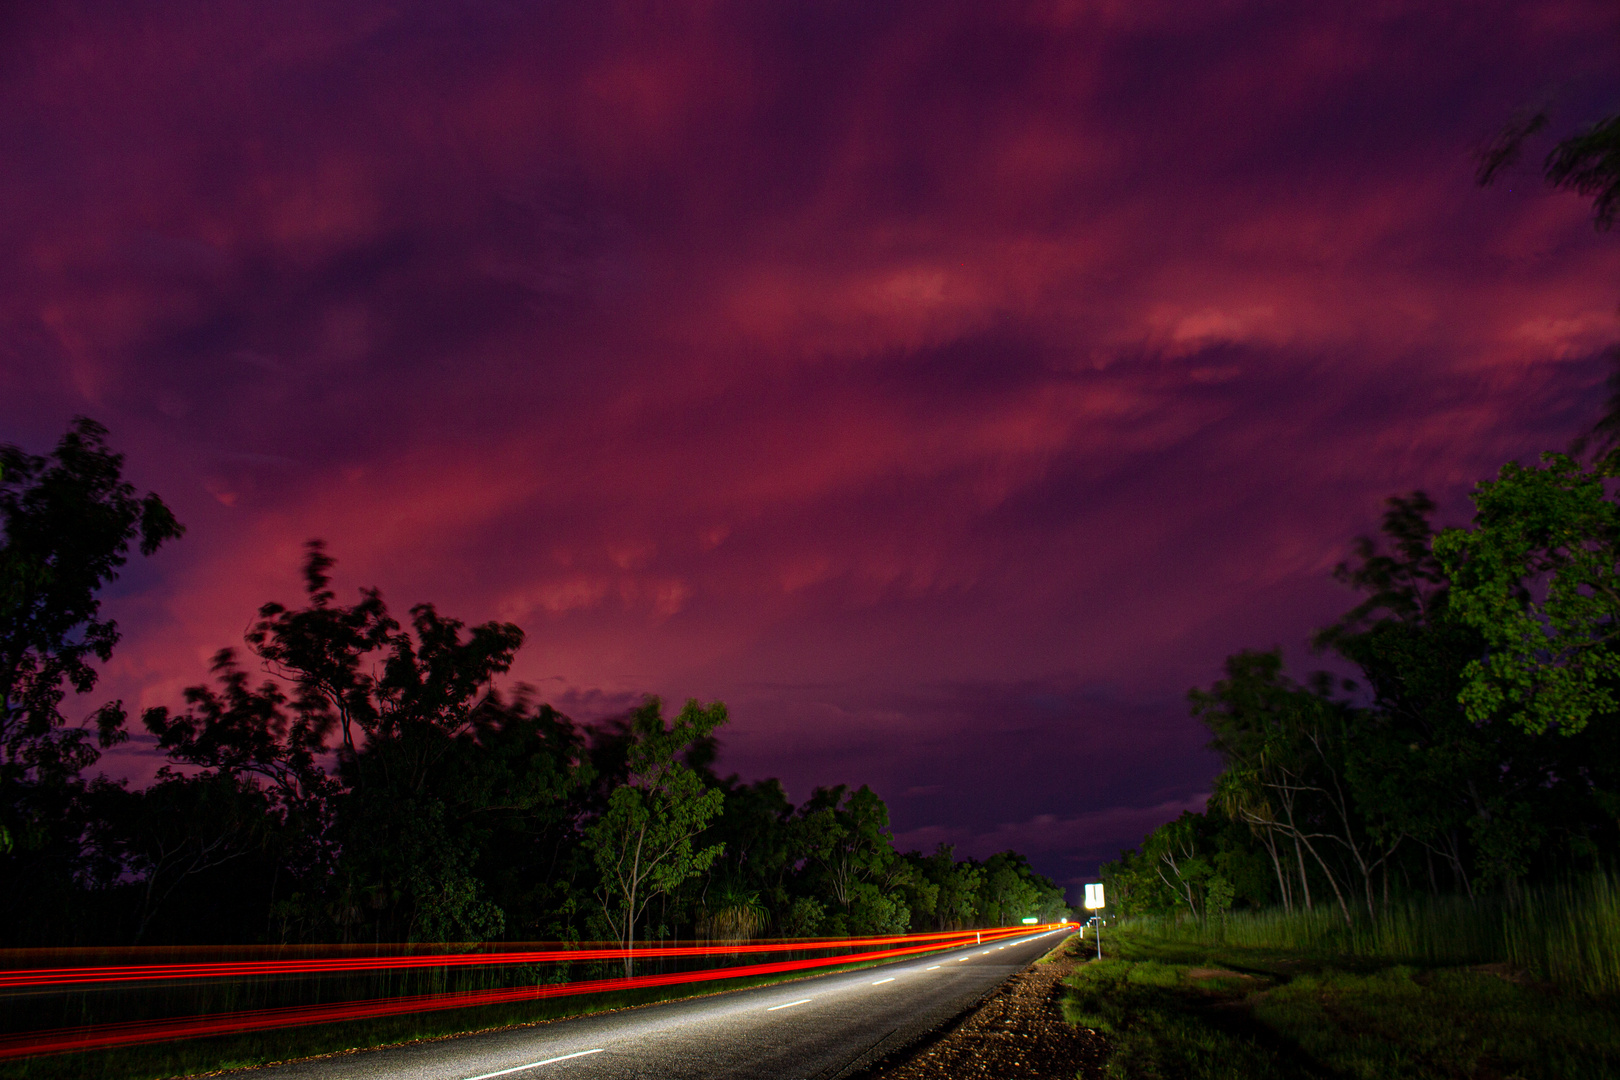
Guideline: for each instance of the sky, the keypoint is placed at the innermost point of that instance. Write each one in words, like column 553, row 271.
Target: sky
column 946, row 387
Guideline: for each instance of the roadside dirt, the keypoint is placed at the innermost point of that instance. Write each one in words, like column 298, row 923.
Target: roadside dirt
column 1217, row 973
column 1018, row 1033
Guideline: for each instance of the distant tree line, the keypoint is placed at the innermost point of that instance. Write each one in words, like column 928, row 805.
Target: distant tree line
column 1479, row 749
column 349, row 776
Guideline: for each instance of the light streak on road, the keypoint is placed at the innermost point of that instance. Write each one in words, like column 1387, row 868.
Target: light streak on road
column 62, row 976
column 130, row 1033
column 537, row 1064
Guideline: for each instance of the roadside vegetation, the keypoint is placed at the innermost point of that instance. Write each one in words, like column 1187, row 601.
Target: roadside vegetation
column 1273, row 998
column 1565, row 935
column 1406, row 866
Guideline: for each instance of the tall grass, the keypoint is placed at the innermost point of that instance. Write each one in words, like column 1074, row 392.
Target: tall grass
column 1570, row 934
column 1567, row 934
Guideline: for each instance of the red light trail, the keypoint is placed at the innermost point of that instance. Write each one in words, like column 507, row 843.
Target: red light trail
column 104, row 1036
column 65, row 976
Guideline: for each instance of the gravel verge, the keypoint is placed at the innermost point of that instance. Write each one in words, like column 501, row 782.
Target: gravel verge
column 1017, row 1033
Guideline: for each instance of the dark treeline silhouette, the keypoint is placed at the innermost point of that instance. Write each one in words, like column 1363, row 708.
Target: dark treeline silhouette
column 1479, row 750
column 349, row 777
column 1430, row 773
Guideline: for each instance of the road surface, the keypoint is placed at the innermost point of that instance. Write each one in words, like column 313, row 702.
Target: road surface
column 818, row 1028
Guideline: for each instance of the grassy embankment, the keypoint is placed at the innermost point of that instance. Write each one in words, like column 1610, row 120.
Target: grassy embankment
column 222, row 1053
column 1522, row 987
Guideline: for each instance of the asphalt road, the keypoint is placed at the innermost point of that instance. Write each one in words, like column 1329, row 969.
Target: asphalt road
column 810, row 1029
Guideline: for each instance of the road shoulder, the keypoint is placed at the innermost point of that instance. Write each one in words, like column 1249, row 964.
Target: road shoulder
column 1016, row 1033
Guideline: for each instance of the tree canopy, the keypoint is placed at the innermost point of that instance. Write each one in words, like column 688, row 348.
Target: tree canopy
column 344, row 774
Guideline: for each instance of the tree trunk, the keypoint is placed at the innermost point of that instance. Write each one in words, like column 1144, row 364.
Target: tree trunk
column 1304, row 881
column 1344, row 906
column 1276, row 865
column 630, row 908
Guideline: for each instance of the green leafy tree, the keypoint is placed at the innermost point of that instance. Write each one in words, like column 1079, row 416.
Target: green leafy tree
column 761, row 840
column 958, row 884
column 921, row 891
column 1204, row 863
column 876, row 910
column 643, row 842
column 1179, row 859
column 805, row 917
column 1537, row 577
column 1009, row 892
column 1290, row 753
column 847, row 841
column 1135, row 887
column 1418, row 757
column 1460, row 786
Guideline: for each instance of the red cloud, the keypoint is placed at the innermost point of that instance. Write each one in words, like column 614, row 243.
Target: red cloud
column 810, row 361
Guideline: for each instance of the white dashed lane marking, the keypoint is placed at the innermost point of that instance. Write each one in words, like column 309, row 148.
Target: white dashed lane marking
column 789, row 1005
column 536, row 1064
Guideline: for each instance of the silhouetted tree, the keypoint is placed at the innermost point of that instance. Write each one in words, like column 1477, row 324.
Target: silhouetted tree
column 1587, row 163
column 67, row 522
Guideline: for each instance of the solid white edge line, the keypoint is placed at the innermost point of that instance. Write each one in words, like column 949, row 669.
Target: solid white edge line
column 880, row 982
column 537, row 1064
column 789, row 1005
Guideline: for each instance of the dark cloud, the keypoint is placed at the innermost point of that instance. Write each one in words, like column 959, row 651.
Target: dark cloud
column 947, row 387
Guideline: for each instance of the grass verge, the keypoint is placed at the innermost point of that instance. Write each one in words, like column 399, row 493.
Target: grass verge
column 1058, row 950
column 225, row 1053
column 1566, row 933
column 1179, row 1009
